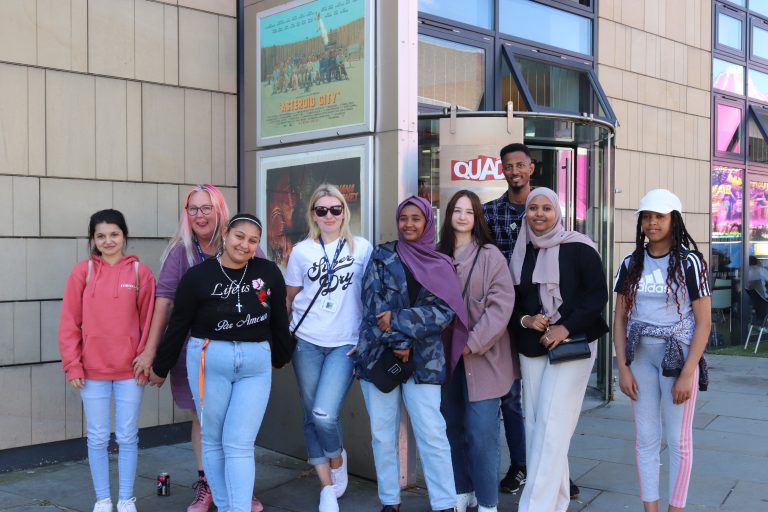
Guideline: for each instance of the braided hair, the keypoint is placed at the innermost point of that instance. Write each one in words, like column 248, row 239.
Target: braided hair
column 682, row 242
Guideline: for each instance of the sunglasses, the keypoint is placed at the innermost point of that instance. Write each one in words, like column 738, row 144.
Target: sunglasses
column 322, row 211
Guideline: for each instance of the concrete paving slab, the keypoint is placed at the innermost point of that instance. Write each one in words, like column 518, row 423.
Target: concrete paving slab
column 579, row 466
column 730, row 442
column 9, row 500
column 747, row 496
column 740, row 425
column 590, row 424
column 600, row 448
column 736, row 466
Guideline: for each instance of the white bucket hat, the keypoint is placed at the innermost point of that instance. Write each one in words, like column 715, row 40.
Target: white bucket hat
column 660, row 200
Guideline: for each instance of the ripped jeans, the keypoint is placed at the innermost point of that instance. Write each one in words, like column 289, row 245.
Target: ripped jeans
column 324, row 375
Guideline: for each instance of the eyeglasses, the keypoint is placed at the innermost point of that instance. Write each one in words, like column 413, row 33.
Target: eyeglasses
column 322, row 211
column 206, row 210
column 520, row 166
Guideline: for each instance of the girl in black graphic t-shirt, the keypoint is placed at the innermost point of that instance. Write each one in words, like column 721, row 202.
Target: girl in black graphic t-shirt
column 234, row 306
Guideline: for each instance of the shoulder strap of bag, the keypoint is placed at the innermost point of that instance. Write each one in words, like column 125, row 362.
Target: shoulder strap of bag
column 319, row 289
column 471, row 269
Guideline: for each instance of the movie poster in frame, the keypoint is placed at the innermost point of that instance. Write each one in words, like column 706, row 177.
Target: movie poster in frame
column 286, row 178
column 314, row 70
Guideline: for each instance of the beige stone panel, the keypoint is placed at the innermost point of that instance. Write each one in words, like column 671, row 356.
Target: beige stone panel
column 149, row 32
column 225, row 7
column 681, row 63
column 652, row 55
column 623, row 46
column 662, row 145
column 6, row 205
column 690, row 137
column 16, row 407
column 26, row 206
column 48, row 403
column 705, row 26
column 227, row 54
column 50, row 311
column 633, row 13
column 650, row 129
column 605, row 9
column 637, row 50
column 18, row 29
column 677, row 134
column 83, row 250
column 230, row 121
column 666, row 180
column 680, row 182
column 697, row 101
column 218, row 139
column 698, row 226
column 172, row 2
column 675, row 94
column 651, row 13
column 197, row 136
column 66, row 205
column 54, row 34
column 625, row 220
column 675, row 12
column 692, row 17
column 230, row 196
column 13, row 269
column 49, row 262
column 652, row 171
column 111, row 126
column 694, row 67
column 111, row 38
column 36, row 118
column 138, row 202
column 6, row 333
column 620, row 109
column 622, row 178
column 149, row 251
column 634, row 125
column 163, row 133
column 133, row 131
column 703, row 143
column 629, row 85
column 611, row 80
column 79, row 47
column 249, row 94
column 168, row 210
column 73, row 406
column 667, row 64
column 14, row 142
column 198, row 49
column 171, row 44
column 181, row 415
column 606, row 42
column 636, row 161
column 70, row 120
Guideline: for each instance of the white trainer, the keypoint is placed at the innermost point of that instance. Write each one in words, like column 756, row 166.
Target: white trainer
column 464, row 501
column 104, row 505
column 127, row 505
column 486, row 509
column 340, row 477
column 328, row 501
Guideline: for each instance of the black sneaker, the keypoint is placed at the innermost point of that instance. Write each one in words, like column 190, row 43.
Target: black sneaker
column 390, row 508
column 514, row 479
column 575, row 492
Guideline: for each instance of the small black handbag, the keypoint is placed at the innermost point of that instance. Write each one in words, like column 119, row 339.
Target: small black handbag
column 570, row 349
column 389, row 371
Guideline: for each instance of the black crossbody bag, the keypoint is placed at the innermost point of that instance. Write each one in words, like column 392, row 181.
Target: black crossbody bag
column 572, row 348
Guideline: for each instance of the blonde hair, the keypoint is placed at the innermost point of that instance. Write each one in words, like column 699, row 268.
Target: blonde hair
column 328, row 190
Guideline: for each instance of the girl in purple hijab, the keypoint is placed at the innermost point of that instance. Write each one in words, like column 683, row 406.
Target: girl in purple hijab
column 410, row 296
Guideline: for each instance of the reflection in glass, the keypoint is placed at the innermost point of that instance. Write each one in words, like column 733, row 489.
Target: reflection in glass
column 559, row 88
column 758, row 213
column 510, row 91
column 728, row 129
column 727, row 76
column 544, row 24
column 450, row 73
column 729, row 31
column 758, row 141
column 757, row 85
column 760, row 42
column 471, row 12
column 759, row 6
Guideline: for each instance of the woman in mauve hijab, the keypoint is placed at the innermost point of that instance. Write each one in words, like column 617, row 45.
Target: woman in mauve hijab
column 410, row 296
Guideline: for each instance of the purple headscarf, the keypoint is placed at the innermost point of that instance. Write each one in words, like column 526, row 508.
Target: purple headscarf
column 435, row 272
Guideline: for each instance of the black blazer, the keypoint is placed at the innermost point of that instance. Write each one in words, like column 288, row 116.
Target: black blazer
column 582, row 287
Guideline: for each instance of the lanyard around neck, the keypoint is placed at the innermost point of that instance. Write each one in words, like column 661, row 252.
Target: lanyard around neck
column 331, row 266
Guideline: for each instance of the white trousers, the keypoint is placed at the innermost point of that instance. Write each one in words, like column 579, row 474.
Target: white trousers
column 552, row 398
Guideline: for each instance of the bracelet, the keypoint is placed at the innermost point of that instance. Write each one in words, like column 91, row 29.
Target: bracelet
column 523, row 318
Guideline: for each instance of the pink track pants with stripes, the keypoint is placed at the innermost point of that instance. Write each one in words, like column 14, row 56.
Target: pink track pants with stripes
column 654, row 401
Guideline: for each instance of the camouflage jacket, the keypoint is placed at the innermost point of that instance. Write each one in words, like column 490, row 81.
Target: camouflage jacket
column 417, row 327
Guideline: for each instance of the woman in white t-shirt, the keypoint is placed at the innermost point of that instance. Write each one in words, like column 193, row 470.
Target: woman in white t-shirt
column 661, row 326
column 324, row 278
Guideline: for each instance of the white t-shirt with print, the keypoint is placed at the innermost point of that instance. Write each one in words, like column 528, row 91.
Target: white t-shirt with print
column 334, row 319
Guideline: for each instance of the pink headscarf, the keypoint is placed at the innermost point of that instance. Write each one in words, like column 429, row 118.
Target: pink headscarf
column 547, row 270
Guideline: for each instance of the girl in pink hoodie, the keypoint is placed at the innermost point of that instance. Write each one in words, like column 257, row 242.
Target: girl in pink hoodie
column 105, row 317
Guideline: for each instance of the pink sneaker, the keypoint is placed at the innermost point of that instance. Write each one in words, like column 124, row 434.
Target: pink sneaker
column 203, row 498
column 256, row 505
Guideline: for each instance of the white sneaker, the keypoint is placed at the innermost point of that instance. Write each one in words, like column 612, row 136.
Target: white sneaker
column 465, row 500
column 328, row 501
column 340, row 477
column 126, row 505
column 487, row 509
column 104, row 505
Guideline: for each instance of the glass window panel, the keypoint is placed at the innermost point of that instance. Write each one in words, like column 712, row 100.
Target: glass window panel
column 759, row 6
column 758, row 146
column 728, row 129
column 471, row 12
column 510, row 91
column 545, row 24
column 559, row 87
column 757, row 85
column 729, row 31
column 727, row 76
column 742, row 3
column 760, row 42
column 450, row 73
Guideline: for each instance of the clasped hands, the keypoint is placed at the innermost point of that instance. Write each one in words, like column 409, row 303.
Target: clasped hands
column 553, row 334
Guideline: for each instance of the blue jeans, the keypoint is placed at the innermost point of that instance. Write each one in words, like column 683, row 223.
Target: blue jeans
column 96, row 396
column 514, row 427
column 324, row 375
column 473, row 431
column 238, row 377
column 422, row 401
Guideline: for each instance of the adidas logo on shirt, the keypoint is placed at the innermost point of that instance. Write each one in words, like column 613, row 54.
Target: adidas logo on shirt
column 653, row 283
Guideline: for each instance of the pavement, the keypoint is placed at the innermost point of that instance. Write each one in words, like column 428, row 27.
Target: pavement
column 730, row 470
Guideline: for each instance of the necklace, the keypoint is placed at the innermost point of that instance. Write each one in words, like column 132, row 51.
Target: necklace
column 236, row 285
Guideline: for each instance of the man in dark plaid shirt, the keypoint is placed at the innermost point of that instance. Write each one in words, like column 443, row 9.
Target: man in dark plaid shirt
column 505, row 217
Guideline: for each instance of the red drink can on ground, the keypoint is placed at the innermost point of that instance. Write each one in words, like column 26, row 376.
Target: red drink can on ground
column 163, row 484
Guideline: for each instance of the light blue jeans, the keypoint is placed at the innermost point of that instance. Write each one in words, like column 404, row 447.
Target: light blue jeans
column 422, row 401
column 96, row 396
column 238, row 377
column 324, row 375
